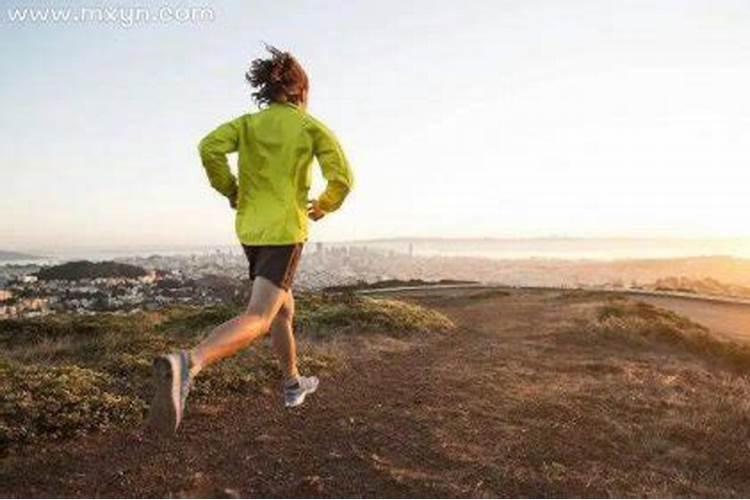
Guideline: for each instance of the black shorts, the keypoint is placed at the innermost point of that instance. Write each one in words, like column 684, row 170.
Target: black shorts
column 276, row 263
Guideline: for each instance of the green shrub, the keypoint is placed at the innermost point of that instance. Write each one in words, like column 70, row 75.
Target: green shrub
column 58, row 402
column 347, row 313
column 64, row 375
column 192, row 322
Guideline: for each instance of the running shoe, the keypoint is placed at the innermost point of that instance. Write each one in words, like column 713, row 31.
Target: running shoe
column 294, row 394
column 171, row 374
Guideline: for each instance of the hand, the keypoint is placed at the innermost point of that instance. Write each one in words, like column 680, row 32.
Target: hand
column 233, row 198
column 314, row 211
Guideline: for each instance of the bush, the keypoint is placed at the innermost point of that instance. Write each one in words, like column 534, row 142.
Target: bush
column 58, row 402
column 629, row 318
column 347, row 313
column 65, row 375
column 191, row 322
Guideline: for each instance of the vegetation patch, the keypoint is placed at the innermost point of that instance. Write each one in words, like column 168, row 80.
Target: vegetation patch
column 17, row 332
column 189, row 322
column 393, row 283
column 489, row 294
column 84, row 269
column 347, row 313
column 58, row 401
column 65, row 375
column 627, row 317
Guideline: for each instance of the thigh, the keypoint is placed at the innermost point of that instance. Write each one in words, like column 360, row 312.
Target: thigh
column 266, row 299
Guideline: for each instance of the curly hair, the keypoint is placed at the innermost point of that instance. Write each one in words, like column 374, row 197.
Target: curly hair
column 279, row 78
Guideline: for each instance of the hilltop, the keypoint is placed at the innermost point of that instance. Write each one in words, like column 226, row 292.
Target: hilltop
column 84, row 269
column 441, row 393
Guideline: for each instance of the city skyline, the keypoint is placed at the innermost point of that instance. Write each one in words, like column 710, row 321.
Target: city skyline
column 550, row 247
column 502, row 119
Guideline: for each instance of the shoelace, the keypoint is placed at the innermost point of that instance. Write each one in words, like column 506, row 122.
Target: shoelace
column 184, row 378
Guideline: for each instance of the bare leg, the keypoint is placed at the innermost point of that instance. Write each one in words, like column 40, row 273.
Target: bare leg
column 226, row 339
column 283, row 339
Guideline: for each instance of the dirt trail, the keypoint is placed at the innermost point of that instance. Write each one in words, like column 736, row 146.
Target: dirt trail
column 507, row 406
column 729, row 320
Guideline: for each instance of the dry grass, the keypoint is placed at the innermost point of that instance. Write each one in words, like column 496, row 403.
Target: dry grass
column 581, row 396
column 65, row 375
column 489, row 294
column 535, row 394
column 322, row 315
column 641, row 320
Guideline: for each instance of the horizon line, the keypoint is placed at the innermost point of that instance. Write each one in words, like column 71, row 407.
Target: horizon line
column 389, row 239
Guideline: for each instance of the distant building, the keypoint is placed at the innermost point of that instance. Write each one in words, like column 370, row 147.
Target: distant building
column 8, row 312
column 150, row 277
column 319, row 247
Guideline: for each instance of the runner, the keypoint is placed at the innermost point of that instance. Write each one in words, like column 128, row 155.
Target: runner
column 276, row 146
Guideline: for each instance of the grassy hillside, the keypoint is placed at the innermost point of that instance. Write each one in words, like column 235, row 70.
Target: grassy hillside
column 640, row 323
column 63, row 376
column 534, row 393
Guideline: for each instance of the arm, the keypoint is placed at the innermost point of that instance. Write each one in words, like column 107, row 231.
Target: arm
column 335, row 168
column 213, row 150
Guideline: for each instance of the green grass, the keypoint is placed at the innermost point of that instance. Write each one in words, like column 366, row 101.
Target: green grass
column 59, row 402
column 323, row 315
column 65, row 375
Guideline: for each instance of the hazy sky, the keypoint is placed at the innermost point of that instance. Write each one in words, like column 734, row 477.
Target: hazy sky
column 496, row 118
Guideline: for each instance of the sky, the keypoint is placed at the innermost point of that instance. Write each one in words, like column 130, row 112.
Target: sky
column 476, row 119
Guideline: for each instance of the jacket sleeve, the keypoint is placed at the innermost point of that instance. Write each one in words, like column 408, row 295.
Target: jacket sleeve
column 335, row 168
column 213, row 150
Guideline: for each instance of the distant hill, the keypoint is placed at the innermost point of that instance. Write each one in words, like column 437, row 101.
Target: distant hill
column 7, row 255
column 85, row 269
column 705, row 286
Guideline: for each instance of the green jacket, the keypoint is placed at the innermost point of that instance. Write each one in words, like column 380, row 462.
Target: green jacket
column 276, row 147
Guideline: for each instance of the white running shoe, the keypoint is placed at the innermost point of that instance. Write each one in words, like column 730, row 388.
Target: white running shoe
column 294, row 395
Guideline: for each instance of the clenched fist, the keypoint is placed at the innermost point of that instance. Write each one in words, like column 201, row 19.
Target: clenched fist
column 314, row 211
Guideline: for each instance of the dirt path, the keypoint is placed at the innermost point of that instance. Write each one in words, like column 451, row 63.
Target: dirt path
column 729, row 320
column 507, row 406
